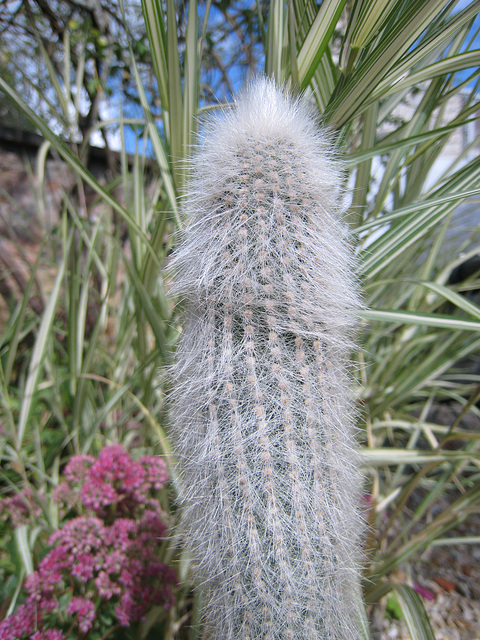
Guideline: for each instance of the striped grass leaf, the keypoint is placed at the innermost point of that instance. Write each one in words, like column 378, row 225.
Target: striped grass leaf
column 446, row 293
column 440, row 68
column 418, row 318
column 452, row 516
column 413, row 425
column 409, row 358
column 453, row 541
column 159, row 149
column 86, row 350
column 404, row 143
column 179, row 85
column 391, row 244
column 324, row 81
column 40, row 347
column 277, row 43
column 317, row 39
column 24, row 547
column 156, row 426
column 303, row 15
column 384, row 220
column 146, row 305
column 364, row 168
column 397, row 161
column 376, row 457
column 56, row 82
column 157, row 37
column 175, row 110
column 191, row 73
column 16, row 329
column 438, row 484
column 434, row 42
column 292, row 47
column 88, row 358
column 413, row 611
column 18, row 589
column 411, row 606
column 406, row 24
column 40, row 166
column 369, row 19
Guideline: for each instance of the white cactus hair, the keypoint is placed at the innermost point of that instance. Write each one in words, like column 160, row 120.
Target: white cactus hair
column 262, row 419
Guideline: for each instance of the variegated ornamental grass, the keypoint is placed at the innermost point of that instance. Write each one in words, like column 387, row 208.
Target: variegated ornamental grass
column 383, row 76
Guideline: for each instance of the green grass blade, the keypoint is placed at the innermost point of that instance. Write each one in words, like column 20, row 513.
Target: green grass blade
column 191, row 86
column 40, row 347
column 414, row 612
column 317, row 39
column 23, row 547
column 149, row 309
column 157, row 37
column 355, row 95
column 378, row 457
column 175, row 113
column 161, row 154
column 418, row 318
column 442, row 67
column 277, row 44
column 371, row 16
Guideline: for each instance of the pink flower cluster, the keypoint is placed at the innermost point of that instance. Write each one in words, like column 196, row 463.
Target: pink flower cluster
column 112, row 482
column 104, row 561
column 20, row 508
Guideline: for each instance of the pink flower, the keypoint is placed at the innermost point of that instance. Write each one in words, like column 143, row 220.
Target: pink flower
column 85, row 610
column 50, row 569
column 107, row 588
column 77, row 468
column 156, row 470
column 64, row 494
column 113, row 479
column 121, row 532
column 48, row 634
column 84, row 566
column 153, row 524
column 20, row 509
column 79, row 536
column 110, row 552
column 124, row 610
column 424, row 592
column 24, row 621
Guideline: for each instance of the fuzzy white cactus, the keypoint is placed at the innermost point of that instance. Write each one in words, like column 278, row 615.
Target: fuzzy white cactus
column 262, row 418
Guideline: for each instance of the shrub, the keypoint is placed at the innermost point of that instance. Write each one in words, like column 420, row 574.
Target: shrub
column 103, row 568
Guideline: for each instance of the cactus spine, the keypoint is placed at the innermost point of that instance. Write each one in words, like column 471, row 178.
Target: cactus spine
column 262, row 422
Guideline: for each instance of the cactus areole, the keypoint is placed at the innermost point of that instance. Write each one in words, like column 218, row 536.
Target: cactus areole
column 262, row 421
